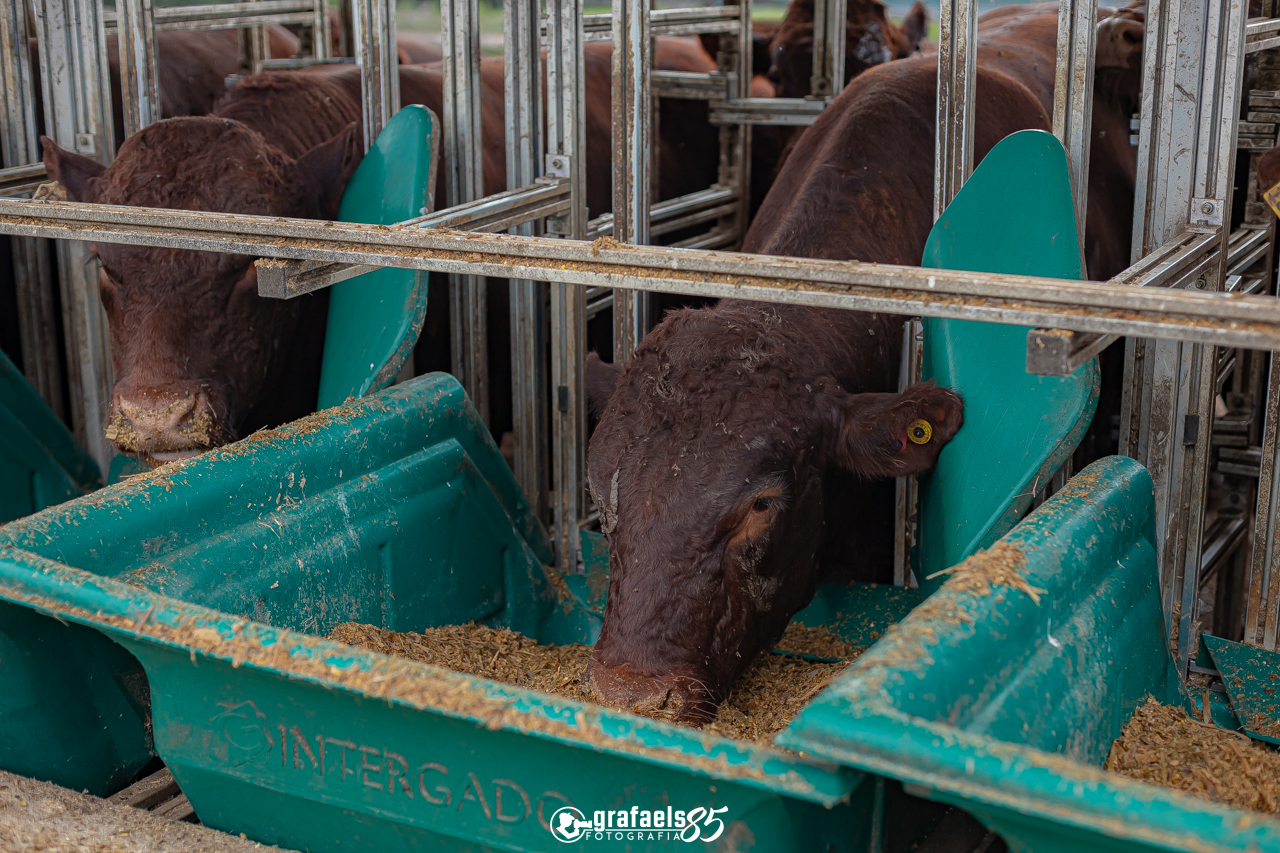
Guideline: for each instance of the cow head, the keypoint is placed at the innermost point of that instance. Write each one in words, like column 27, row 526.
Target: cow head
column 870, row 39
column 707, row 466
column 193, row 345
column 1118, row 62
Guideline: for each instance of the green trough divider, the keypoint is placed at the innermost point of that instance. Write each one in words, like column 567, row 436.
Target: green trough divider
column 41, row 464
column 1251, row 677
column 209, row 583
column 374, row 319
column 1007, row 708
column 1014, row 215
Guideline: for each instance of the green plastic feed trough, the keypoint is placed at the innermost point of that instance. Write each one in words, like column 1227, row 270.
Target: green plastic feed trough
column 1007, row 706
column 182, row 613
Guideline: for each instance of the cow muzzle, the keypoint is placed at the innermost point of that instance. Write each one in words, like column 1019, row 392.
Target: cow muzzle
column 677, row 698
column 1119, row 43
column 159, row 426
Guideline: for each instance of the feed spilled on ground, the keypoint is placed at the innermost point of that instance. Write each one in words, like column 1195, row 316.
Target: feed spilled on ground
column 762, row 702
column 1163, row 746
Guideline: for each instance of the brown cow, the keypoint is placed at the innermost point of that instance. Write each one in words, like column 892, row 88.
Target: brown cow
column 870, row 39
column 192, row 66
column 724, row 463
column 200, row 359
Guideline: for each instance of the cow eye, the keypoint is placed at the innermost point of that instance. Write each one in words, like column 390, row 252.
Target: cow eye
column 762, row 504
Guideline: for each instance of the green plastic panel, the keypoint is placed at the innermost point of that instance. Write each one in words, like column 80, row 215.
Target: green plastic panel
column 1008, row 707
column 1251, row 677
column 218, row 574
column 374, row 319
column 1014, row 215
column 41, row 464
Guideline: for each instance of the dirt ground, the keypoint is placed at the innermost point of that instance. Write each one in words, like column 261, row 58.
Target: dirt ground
column 37, row 816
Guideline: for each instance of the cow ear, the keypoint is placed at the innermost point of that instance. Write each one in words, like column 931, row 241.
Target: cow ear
column 73, row 172
column 327, row 168
column 914, row 25
column 892, row 435
column 601, row 380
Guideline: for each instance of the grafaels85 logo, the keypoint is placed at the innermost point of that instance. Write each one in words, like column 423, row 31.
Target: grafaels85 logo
column 636, row 824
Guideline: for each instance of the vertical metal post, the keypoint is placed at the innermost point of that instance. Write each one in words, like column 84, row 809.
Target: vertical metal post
column 33, row 279
column 1191, row 68
column 566, row 158
column 1264, row 573
column 522, row 87
column 373, row 25
column 957, row 57
column 320, row 31
column 828, row 48
column 139, row 82
column 632, row 132
column 1073, row 94
column 464, row 181
column 254, row 47
column 76, row 87
column 905, row 488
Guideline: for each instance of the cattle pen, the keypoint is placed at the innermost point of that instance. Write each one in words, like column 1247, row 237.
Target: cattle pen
column 1195, row 313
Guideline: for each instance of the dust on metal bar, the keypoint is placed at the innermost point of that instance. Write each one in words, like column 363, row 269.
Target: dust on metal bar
column 794, row 112
column 663, row 211
column 693, row 85
column 670, row 22
column 498, row 212
column 1225, row 319
column 1057, row 352
column 21, row 181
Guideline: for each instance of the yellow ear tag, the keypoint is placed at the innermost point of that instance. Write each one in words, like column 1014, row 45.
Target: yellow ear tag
column 920, row 432
column 1272, row 197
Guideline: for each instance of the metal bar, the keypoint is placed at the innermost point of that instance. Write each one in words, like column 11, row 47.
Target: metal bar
column 1225, row 319
column 1073, row 96
column 1264, row 570
column 670, row 22
column 320, row 29
column 906, row 488
column 464, row 181
column 374, row 32
column 75, row 84
column 547, row 197
column 1255, row 27
column 139, row 81
column 663, row 211
column 566, row 158
column 1261, row 44
column 1194, row 51
column 235, row 22
column 693, row 85
column 957, row 71
column 827, row 78
column 33, row 278
column 1058, row 352
column 793, row 112
column 255, row 48
column 250, row 9
column 522, row 88
column 632, row 114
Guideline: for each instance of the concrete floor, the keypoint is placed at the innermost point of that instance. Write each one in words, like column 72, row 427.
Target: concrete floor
column 37, row 816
